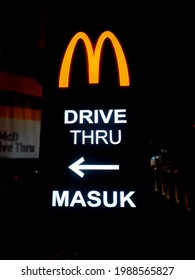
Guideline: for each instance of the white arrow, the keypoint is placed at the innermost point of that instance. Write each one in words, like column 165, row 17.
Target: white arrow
column 77, row 167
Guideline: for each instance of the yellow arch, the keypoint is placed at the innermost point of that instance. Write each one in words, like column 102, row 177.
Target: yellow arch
column 94, row 59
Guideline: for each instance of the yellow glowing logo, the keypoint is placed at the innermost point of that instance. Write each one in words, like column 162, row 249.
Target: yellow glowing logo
column 93, row 56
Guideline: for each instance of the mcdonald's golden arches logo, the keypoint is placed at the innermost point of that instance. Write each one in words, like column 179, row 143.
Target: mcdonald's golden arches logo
column 94, row 56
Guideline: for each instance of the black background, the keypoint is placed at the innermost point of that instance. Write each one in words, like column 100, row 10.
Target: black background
column 157, row 39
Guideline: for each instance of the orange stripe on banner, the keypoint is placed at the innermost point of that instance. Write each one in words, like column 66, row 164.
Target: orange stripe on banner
column 20, row 84
column 20, row 113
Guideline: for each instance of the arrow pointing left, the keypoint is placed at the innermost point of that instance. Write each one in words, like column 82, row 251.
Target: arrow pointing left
column 77, row 167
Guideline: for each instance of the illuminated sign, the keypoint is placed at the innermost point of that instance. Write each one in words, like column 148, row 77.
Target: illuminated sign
column 93, row 199
column 77, row 167
column 94, row 152
column 19, row 132
column 94, row 57
column 96, row 176
column 95, row 117
column 85, row 136
column 20, row 116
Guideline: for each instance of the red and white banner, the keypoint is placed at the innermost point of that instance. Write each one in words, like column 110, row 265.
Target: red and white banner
column 20, row 116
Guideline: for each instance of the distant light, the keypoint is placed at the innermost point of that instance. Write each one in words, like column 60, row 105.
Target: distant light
column 16, row 178
column 36, row 171
column 164, row 151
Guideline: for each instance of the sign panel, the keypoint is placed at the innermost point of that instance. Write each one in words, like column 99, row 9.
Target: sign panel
column 92, row 147
column 19, row 132
column 20, row 116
